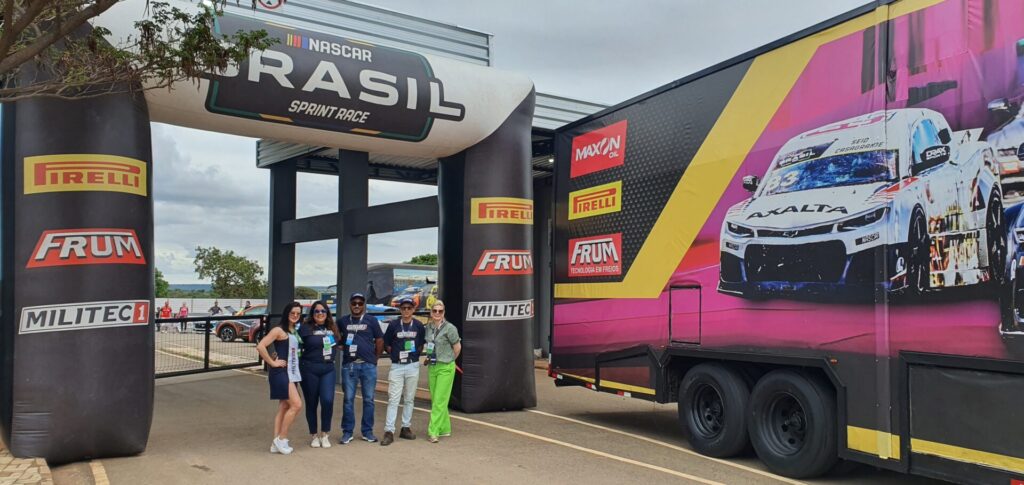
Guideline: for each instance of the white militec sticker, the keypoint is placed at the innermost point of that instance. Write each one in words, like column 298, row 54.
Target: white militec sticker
column 78, row 316
column 500, row 310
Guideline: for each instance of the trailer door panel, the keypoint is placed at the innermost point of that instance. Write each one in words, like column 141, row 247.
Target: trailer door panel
column 684, row 315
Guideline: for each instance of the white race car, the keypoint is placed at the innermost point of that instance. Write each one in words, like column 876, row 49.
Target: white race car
column 892, row 198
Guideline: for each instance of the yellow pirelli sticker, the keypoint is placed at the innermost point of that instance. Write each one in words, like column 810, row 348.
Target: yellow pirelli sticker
column 594, row 201
column 84, row 173
column 501, row 210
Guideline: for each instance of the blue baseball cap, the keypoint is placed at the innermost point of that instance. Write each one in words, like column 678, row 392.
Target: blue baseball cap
column 357, row 295
column 405, row 301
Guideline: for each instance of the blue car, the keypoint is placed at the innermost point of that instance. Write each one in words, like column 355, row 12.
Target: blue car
column 1012, row 320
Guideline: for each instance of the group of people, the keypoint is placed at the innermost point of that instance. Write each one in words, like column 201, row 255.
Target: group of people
column 301, row 353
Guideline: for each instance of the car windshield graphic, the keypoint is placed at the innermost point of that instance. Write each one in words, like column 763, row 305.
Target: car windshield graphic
column 835, row 171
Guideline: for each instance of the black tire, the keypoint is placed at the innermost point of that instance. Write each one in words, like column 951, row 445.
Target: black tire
column 995, row 231
column 792, row 423
column 712, row 409
column 918, row 244
column 227, row 333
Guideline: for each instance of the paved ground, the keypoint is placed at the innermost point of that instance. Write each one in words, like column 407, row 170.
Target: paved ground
column 216, row 428
column 22, row 471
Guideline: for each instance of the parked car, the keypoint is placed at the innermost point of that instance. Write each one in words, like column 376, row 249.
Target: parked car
column 899, row 181
column 229, row 330
column 200, row 327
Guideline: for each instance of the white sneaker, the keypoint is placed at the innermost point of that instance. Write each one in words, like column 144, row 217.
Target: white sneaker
column 282, row 446
column 273, row 447
column 316, row 442
column 325, row 441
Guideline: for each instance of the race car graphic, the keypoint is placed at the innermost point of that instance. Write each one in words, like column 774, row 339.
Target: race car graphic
column 891, row 198
column 1012, row 318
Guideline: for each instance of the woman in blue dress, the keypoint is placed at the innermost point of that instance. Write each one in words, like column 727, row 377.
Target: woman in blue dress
column 283, row 376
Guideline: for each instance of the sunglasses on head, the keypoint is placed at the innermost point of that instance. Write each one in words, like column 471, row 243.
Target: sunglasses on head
column 319, row 311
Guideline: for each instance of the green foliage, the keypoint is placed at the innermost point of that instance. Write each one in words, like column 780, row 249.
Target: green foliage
column 162, row 287
column 179, row 293
column 44, row 50
column 428, row 259
column 306, row 293
column 230, row 275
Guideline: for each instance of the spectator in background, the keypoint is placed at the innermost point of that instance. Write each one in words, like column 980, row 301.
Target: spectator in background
column 215, row 309
column 183, row 313
column 248, row 304
column 166, row 311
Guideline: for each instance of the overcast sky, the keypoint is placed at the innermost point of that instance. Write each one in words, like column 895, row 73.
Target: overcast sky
column 208, row 191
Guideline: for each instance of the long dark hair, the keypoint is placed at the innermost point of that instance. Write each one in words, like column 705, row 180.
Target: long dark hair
column 283, row 321
column 328, row 322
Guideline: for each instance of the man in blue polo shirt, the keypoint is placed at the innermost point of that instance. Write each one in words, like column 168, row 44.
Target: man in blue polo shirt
column 404, row 340
column 363, row 341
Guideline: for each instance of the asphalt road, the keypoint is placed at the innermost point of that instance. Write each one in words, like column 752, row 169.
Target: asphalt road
column 216, row 428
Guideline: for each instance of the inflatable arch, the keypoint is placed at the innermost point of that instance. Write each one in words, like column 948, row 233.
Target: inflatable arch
column 77, row 226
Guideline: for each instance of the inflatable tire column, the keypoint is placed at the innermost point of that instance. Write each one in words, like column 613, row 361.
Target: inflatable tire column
column 77, row 278
column 486, row 251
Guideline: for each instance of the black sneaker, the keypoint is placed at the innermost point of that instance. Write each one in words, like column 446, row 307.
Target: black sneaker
column 389, row 438
column 406, row 434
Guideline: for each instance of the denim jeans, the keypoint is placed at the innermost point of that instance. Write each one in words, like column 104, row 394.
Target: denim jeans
column 402, row 380
column 365, row 375
column 318, row 387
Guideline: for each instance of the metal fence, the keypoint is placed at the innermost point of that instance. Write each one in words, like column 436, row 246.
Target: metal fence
column 203, row 344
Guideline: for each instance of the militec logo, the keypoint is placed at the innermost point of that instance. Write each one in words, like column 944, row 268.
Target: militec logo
column 598, row 150
column 80, row 316
column 69, row 247
column 504, row 262
column 595, row 256
column 594, row 201
column 84, row 173
column 501, row 210
column 500, row 310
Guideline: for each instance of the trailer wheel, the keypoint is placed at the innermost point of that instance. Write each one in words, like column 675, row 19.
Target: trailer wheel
column 712, row 409
column 792, row 423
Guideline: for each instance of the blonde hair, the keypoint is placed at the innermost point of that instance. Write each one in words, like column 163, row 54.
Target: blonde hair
column 436, row 303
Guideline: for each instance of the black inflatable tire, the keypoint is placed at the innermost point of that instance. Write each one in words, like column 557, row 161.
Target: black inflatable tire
column 718, row 430
column 792, row 423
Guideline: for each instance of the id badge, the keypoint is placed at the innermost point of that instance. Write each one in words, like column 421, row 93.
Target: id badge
column 349, row 339
column 430, row 347
column 352, row 350
column 403, row 356
column 327, row 348
column 410, row 345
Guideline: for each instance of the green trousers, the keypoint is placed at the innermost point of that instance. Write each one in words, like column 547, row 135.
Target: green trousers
column 441, row 378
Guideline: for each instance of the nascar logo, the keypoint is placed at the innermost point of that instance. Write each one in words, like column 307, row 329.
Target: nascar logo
column 328, row 47
column 69, row 247
column 598, row 150
column 82, row 173
column 500, row 310
column 595, row 256
column 594, row 201
column 501, row 210
column 79, row 316
column 498, row 262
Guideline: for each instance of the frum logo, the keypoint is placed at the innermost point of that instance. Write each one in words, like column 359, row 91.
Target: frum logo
column 499, row 262
column 68, row 247
column 598, row 150
column 595, row 256
column 501, row 210
column 87, row 172
column 594, row 201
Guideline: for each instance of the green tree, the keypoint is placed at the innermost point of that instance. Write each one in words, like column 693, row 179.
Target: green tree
column 306, row 293
column 162, row 286
column 47, row 50
column 230, row 275
column 428, row 259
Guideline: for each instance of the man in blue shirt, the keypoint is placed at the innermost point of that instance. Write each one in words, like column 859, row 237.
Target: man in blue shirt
column 404, row 340
column 363, row 341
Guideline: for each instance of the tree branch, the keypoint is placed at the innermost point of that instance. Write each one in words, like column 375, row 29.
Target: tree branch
column 63, row 29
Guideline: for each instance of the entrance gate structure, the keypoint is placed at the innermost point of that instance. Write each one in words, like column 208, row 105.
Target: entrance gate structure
column 76, row 236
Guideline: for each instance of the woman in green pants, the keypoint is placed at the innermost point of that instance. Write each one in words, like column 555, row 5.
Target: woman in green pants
column 443, row 347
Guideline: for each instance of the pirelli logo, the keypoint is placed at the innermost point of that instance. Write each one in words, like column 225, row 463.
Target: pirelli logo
column 501, row 210
column 84, row 173
column 594, row 201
